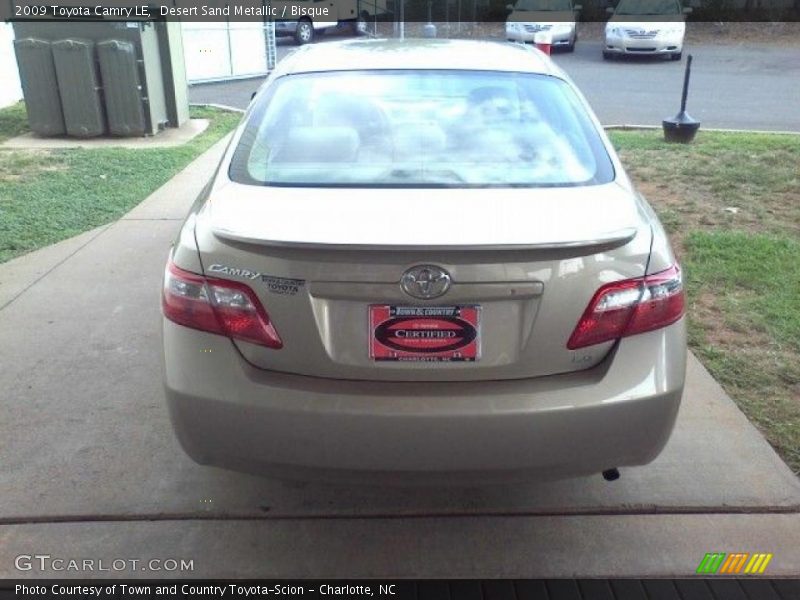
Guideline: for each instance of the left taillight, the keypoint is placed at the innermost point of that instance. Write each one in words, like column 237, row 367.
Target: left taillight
column 217, row 306
column 631, row 306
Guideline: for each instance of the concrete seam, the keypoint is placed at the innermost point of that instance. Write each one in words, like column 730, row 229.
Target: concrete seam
column 151, row 219
column 655, row 512
column 55, row 266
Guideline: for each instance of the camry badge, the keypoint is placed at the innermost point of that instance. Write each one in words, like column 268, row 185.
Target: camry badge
column 425, row 282
column 225, row 270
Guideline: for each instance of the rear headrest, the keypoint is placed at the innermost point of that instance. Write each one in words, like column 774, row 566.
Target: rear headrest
column 427, row 138
column 319, row 144
column 363, row 114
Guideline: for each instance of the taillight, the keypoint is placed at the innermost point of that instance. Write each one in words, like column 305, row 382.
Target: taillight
column 217, row 306
column 629, row 307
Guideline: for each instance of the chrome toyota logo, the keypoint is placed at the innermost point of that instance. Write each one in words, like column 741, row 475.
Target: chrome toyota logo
column 425, row 282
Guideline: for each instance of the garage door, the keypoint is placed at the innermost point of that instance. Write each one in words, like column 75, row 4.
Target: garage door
column 219, row 50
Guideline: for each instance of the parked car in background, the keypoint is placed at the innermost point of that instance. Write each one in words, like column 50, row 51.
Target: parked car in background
column 305, row 30
column 304, row 20
column 655, row 27
column 422, row 260
column 556, row 17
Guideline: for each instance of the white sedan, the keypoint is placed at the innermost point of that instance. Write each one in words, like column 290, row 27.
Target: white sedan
column 646, row 27
column 554, row 17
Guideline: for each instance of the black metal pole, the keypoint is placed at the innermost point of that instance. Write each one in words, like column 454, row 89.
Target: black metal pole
column 682, row 128
column 686, row 82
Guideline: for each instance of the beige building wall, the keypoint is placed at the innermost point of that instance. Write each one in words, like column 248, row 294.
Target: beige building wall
column 10, row 90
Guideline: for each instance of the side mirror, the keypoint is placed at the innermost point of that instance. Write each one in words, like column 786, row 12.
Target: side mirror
column 610, row 10
column 687, row 10
column 578, row 8
column 510, row 7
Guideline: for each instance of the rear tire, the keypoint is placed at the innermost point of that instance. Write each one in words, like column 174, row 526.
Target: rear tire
column 304, row 34
column 360, row 25
column 676, row 55
column 571, row 46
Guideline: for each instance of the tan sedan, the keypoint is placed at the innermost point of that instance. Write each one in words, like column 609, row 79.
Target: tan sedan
column 422, row 261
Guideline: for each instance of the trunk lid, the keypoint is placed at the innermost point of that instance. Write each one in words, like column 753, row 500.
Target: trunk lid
column 318, row 258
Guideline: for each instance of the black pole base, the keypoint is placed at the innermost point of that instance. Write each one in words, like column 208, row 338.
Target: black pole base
column 680, row 129
column 611, row 474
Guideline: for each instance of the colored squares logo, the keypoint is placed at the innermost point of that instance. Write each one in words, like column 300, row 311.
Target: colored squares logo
column 734, row 563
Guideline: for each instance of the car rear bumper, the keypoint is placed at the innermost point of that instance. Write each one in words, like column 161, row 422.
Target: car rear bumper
column 227, row 413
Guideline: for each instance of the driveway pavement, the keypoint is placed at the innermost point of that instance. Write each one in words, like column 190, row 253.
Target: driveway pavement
column 732, row 87
column 90, row 467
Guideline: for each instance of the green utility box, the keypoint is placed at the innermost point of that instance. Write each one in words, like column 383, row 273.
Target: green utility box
column 35, row 60
column 89, row 79
column 79, row 87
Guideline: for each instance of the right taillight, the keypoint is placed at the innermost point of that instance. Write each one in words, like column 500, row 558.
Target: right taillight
column 631, row 306
column 217, row 306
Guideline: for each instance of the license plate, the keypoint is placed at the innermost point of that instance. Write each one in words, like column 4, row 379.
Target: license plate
column 424, row 333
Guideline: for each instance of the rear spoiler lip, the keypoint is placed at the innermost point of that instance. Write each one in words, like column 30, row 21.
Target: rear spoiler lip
column 610, row 239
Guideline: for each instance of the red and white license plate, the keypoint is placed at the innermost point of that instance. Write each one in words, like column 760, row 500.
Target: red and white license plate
column 424, row 333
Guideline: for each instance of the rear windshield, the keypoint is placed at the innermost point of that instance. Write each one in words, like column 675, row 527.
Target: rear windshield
column 420, row 129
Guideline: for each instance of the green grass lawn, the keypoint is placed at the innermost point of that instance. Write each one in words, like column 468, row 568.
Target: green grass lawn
column 732, row 205
column 13, row 121
column 49, row 195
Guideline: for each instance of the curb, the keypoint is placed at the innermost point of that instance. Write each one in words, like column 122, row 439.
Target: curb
column 219, row 106
column 631, row 127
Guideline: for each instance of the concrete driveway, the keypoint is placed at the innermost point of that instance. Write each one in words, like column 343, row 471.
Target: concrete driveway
column 89, row 466
column 732, row 87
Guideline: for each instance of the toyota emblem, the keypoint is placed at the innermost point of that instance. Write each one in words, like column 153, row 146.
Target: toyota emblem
column 425, row 282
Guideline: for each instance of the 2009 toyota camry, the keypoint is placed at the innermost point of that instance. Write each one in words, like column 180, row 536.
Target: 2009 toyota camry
column 422, row 261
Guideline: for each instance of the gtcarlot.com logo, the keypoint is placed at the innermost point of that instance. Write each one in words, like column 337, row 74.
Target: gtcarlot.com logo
column 46, row 562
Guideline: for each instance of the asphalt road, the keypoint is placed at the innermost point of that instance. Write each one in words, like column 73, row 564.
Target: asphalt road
column 732, row 87
column 736, row 87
